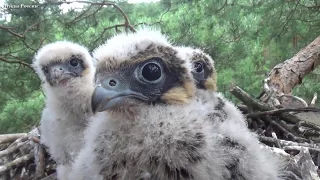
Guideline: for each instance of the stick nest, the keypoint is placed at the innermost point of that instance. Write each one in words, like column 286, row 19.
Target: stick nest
column 281, row 129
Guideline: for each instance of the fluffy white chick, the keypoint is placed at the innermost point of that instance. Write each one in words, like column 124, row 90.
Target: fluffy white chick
column 66, row 70
column 205, row 76
column 147, row 91
column 153, row 126
column 248, row 160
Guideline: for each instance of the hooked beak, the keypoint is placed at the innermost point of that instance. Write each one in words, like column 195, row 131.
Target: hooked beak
column 103, row 99
column 59, row 74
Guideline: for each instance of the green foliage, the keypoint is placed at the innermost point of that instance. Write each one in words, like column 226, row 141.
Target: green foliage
column 21, row 116
column 246, row 39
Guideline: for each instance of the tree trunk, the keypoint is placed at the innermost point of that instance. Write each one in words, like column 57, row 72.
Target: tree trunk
column 285, row 76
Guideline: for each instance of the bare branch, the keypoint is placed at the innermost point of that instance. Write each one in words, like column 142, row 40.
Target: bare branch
column 126, row 23
column 23, row 35
column 11, row 149
column 295, row 97
column 8, row 29
column 314, row 99
column 288, row 19
column 10, row 137
column 298, row 148
column 16, row 62
column 107, row 28
column 250, row 102
column 39, row 160
column 276, row 111
column 286, row 75
column 17, row 162
column 79, row 17
column 285, row 143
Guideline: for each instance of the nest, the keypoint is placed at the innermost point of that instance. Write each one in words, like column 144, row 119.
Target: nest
column 23, row 157
column 281, row 129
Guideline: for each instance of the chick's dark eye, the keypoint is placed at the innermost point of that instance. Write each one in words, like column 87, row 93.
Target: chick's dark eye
column 198, row 67
column 151, row 72
column 45, row 69
column 74, row 62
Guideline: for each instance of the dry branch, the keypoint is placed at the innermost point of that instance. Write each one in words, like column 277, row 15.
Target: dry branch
column 23, row 35
column 285, row 134
column 260, row 106
column 286, row 143
column 277, row 111
column 17, row 162
column 285, row 76
column 126, row 23
column 10, row 137
column 39, row 160
column 314, row 99
column 25, row 158
column 10, row 150
column 16, row 62
column 248, row 100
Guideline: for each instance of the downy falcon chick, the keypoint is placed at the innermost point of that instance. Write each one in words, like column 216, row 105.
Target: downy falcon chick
column 66, row 70
column 152, row 126
column 205, row 76
column 227, row 113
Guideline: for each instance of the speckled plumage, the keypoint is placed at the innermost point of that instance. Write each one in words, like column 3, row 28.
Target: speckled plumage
column 194, row 55
column 67, row 106
column 208, row 89
column 174, row 136
column 247, row 160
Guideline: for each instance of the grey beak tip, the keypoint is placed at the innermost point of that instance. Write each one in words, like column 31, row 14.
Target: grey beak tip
column 103, row 99
column 93, row 107
column 96, row 99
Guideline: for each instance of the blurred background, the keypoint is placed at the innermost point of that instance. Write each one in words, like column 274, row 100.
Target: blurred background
column 246, row 39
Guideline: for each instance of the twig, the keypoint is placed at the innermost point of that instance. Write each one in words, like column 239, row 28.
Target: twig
column 16, row 62
column 248, row 100
column 107, row 28
column 288, row 132
column 295, row 97
column 8, row 29
column 17, row 162
column 11, row 149
column 286, row 143
column 277, row 111
column 35, row 139
column 275, row 150
column 126, row 19
column 39, row 160
column 21, row 139
column 274, row 135
column 314, row 99
column 10, row 137
column 298, row 148
column 243, row 108
column 23, row 35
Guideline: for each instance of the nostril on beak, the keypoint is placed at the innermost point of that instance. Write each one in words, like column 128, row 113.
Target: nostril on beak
column 60, row 69
column 112, row 82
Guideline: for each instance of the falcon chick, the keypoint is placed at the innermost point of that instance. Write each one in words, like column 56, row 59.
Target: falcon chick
column 204, row 72
column 67, row 71
column 205, row 77
column 237, row 135
column 153, row 126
